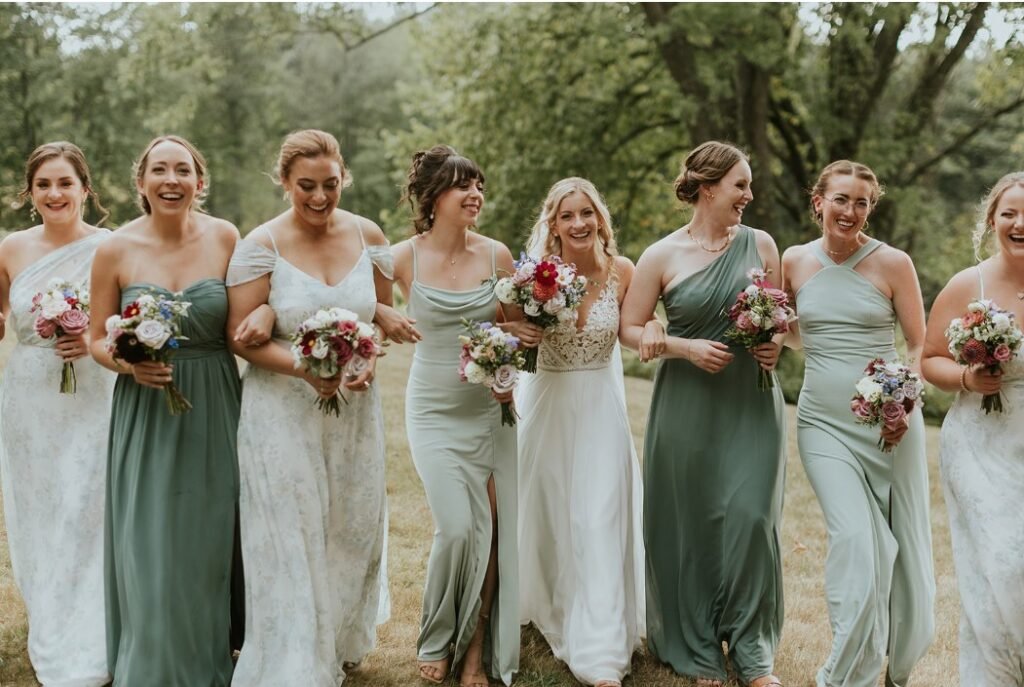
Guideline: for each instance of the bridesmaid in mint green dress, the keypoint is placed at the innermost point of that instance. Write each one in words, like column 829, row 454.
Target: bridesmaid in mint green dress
column 714, row 452
column 463, row 454
column 850, row 292
column 172, row 481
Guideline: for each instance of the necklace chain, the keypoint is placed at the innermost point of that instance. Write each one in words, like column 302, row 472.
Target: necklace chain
column 728, row 239
column 844, row 253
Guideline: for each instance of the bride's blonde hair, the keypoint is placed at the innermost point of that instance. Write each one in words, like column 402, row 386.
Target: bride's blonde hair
column 542, row 238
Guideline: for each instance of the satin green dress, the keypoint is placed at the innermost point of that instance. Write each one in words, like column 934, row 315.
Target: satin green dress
column 713, row 477
column 172, row 490
column 457, row 443
column 879, row 580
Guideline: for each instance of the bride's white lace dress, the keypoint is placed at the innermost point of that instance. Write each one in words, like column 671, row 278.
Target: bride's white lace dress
column 580, row 543
column 982, row 464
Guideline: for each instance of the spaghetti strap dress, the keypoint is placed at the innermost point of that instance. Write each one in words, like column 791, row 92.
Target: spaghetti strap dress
column 457, row 443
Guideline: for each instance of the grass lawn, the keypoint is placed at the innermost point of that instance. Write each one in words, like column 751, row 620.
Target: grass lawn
column 805, row 639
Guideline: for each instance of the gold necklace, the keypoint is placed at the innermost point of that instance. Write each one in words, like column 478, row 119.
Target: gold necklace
column 844, row 253
column 728, row 240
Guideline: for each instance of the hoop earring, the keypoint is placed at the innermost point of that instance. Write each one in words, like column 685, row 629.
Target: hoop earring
column 865, row 227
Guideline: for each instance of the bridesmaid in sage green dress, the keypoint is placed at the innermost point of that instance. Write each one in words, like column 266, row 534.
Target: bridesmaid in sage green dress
column 463, row 454
column 850, row 292
column 172, row 481
column 714, row 452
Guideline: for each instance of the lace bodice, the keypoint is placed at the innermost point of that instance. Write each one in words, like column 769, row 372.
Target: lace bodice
column 564, row 348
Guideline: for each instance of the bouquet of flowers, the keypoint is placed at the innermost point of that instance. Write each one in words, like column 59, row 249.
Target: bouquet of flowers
column 149, row 328
column 985, row 335
column 492, row 358
column 63, row 311
column 549, row 291
column 760, row 312
column 330, row 342
column 886, row 394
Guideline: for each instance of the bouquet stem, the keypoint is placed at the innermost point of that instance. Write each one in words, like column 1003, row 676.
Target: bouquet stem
column 508, row 414
column 177, row 404
column 992, row 402
column 764, row 379
column 68, row 380
column 530, row 355
column 330, row 406
column 885, row 446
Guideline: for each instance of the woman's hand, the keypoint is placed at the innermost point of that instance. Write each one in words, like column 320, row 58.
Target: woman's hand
column 983, row 380
column 710, row 356
column 766, row 355
column 152, row 374
column 72, row 347
column 325, row 387
column 652, row 341
column 893, row 435
column 396, row 326
column 256, row 329
column 361, row 382
column 528, row 333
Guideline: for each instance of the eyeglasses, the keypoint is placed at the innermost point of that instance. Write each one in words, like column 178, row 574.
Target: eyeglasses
column 842, row 203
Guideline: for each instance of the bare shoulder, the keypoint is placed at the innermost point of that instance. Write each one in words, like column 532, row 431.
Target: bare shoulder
column 372, row 233
column 16, row 240
column 892, row 258
column 656, row 254
column 764, row 240
column 961, row 288
column 501, row 251
column 623, row 266
column 223, row 231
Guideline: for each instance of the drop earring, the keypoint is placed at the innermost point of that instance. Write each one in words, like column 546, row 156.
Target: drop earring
column 33, row 215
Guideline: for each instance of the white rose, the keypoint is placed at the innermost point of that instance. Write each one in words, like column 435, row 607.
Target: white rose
column 532, row 308
column 320, row 349
column 505, row 290
column 893, row 369
column 152, row 334
column 338, row 314
column 1000, row 322
column 869, row 389
column 474, row 373
column 526, row 271
column 566, row 275
column 555, row 305
column 505, row 378
column 365, row 330
column 145, row 301
column 976, row 306
column 52, row 306
column 752, row 290
column 756, row 319
column 322, row 318
column 113, row 322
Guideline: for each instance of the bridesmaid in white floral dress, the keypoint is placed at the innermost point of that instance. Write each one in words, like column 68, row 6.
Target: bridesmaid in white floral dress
column 312, row 501
column 581, row 557
column 982, row 455
column 53, row 481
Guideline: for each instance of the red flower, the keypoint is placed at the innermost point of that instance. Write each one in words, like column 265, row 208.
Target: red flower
column 343, row 348
column 974, row 352
column 544, row 292
column 131, row 310
column 546, row 273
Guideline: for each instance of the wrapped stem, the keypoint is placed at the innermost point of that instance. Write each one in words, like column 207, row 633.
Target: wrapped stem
column 177, row 404
column 68, row 379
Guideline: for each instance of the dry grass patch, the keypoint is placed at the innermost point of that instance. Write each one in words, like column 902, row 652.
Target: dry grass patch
column 806, row 636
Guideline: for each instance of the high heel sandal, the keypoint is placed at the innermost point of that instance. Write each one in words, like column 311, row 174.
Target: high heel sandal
column 429, row 670
column 476, row 679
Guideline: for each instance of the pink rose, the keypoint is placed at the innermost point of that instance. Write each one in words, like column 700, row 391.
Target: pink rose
column 861, row 408
column 366, row 347
column 45, row 328
column 73, row 322
column 893, row 414
column 344, row 350
column 347, row 326
column 744, row 324
column 777, row 295
column 1002, row 353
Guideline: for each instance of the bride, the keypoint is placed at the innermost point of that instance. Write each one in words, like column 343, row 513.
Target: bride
column 980, row 457
column 580, row 542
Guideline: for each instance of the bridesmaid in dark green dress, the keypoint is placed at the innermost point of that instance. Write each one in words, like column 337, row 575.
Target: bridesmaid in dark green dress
column 714, row 453
column 172, row 484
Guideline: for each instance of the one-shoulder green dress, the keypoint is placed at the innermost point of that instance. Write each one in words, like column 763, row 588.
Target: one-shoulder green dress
column 713, row 476
column 879, row 581
column 172, row 489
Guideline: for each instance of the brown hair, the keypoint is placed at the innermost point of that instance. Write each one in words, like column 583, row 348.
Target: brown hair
column 706, row 164
column 604, row 248
column 311, row 143
column 432, row 173
column 987, row 209
column 75, row 157
column 842, row 168
column 198, row 161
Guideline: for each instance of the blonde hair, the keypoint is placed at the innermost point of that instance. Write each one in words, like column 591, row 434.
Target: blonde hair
column 843, row 168
column 987, row 210
column 708, row 163
column 311, row 143
column 198, row 161
column 605, row 249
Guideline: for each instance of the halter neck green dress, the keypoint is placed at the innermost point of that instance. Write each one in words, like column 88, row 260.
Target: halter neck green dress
column 879, row 581
column 457, row 443
column 713, row 477
column 172, row 490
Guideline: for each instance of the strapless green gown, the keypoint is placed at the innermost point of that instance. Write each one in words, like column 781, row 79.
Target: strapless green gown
column 713, row 476
column 172, row 489
column 879, row 581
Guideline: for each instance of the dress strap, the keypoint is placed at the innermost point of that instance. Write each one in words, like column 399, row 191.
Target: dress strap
column 981, row 284
column 359, row 228
column 819, row 252
column 494, row 264
column 864, row 251
column 273, row 242
column 412, row 244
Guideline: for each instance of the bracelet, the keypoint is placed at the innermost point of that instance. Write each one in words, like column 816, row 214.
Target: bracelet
column 963, row 379
column 689, row 345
